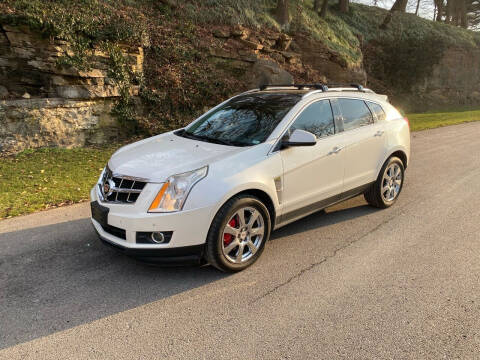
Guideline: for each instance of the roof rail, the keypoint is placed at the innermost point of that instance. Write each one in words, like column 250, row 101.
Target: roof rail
column 322, row 87
column 347, row 87
column 315, row 88
column 356, row 86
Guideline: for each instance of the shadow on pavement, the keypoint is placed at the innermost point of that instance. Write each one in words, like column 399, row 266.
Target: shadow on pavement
column 59, row 276
column 348, row 210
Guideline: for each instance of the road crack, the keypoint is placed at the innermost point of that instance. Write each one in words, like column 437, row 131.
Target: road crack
column 318, row 263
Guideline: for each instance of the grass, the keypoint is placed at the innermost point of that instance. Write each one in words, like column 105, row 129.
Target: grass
column 433, row 120
column 40, row 179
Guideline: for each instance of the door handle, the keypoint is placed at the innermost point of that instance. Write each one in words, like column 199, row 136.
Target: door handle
column 379, row 133
column 335, row 150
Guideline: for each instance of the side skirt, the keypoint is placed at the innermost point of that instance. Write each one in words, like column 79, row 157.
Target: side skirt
column 319, row 205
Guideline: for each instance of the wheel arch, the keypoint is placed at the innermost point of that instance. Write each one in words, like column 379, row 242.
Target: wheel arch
column 401, row 155
column 398, row 152
column 263, row 196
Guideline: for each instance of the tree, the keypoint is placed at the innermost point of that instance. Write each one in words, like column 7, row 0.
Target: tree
column 440, row 6
column 283, row 17
column 343, row 5
column 316, row 5
column 462, row 10
column 399, row 5
column 449, row 11
column 323, row 12
column 418, row 7
column 456, row 12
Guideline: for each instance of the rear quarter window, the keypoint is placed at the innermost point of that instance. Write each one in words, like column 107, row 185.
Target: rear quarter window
column 355, row 113
column 377, row 110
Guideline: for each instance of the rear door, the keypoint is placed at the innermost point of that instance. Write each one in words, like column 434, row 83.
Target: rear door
column 365, row 143
column 313, row 175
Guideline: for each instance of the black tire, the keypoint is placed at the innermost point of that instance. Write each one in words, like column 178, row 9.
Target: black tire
column 374, row 193
column 214, row 245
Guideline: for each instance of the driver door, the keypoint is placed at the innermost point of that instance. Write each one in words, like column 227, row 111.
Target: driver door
column 313, row 175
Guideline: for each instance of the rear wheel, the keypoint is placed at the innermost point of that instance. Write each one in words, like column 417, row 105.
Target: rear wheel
column 385, row 190
column 238, row 234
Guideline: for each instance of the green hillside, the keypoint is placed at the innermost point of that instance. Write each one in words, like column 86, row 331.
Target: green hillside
column 180, row 80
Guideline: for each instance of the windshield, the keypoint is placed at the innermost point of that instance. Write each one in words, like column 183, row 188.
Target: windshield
column 243, row 121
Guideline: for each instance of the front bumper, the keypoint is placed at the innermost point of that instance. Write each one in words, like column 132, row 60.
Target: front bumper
column 179, row 255
column 123, row 221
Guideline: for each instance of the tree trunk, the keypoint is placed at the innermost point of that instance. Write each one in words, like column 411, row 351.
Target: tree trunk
column 343, row 4
column 449, row 11
column 418, row 7
column 282, row 12
column 459, row 13
column 399, row 5
column 323, row 12
column 316, row 5
column 440, row 8
column 462, row 8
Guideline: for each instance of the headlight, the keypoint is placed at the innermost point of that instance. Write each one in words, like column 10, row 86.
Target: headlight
column 174, row 192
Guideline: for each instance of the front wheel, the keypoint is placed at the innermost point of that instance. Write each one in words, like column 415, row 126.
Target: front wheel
column 238, row 234
column 385, row 190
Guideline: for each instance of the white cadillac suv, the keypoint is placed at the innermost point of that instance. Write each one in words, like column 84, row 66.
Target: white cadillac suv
column 213, row 191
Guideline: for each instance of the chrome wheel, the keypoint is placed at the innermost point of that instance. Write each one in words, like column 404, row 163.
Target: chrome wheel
column 391, row 182
column 243, row 234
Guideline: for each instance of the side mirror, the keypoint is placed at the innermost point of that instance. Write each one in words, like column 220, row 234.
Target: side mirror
column 300, row 138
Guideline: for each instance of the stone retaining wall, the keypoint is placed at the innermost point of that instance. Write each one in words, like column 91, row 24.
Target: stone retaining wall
column 32, row 123
column 45, row 104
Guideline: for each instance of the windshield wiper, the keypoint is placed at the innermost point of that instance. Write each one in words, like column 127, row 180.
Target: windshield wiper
column 205, row 138
column 217, row 141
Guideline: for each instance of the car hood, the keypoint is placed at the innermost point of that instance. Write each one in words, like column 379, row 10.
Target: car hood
column 161, row 156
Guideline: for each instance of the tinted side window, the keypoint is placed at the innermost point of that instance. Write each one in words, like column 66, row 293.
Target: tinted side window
column 317, row 118
column 377, row 110
column 355, row 113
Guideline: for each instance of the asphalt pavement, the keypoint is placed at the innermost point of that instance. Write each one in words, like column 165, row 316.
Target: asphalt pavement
column 352, row 283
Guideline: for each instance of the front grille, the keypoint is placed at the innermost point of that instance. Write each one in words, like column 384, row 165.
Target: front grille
column 120, row 189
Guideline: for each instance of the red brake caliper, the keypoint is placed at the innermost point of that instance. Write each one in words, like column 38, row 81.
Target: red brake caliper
column 227, row 238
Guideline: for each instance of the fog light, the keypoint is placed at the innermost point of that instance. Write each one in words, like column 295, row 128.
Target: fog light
column 157, row 237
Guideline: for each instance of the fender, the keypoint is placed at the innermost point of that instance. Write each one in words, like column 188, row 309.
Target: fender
column 390, row 152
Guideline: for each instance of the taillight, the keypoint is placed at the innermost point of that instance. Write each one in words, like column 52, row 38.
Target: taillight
column 408, row 122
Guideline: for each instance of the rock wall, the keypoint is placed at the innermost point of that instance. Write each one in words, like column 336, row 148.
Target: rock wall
column 269, row 57
column 45, row 104
column 257, row 58
column 51, row 122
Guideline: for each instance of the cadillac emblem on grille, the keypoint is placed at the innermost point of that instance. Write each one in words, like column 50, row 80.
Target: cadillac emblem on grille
column 119, row 188
column 107, row 188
